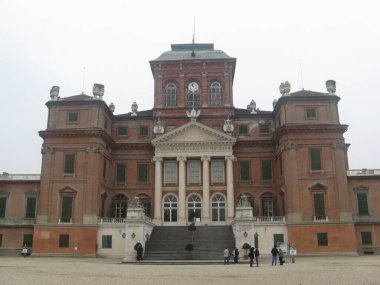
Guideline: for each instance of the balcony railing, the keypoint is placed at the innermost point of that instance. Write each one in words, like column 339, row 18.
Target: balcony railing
column 112, row 220
column 65, row 221
column 269, row 219
column 321, row 218
column 363, row 172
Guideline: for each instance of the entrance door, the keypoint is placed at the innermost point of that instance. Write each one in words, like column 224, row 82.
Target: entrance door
column 170, row 209
column 218, row 208
column 194, row 209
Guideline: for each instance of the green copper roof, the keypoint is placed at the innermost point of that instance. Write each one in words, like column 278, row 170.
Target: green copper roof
column 192, row 52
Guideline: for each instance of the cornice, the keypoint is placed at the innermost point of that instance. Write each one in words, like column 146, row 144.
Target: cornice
column 308, row 128
column 77, row 133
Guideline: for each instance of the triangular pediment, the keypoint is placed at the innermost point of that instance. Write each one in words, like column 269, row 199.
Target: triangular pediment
column 193, row 139
column 193, row 132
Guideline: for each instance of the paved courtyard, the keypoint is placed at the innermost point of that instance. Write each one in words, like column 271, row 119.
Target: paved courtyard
column 83, row 271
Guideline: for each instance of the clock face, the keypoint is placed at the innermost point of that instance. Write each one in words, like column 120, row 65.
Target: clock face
column 193, row 87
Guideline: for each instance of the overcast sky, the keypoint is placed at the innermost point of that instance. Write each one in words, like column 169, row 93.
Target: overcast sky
column 46, row 43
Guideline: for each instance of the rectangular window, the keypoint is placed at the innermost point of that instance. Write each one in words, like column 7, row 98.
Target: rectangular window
column 170, row 174
column 72, row 117
column 362, row 200
column 3, row 205
column 315, row 160
column 120, row 173
column 322, row 239
column 64, row 241
column 143, row 172
column 278, row 239
column 106, row 241
column 30, row 207
column 244, row 171
column 266, row 170
column 311, row 113
column 217, row 171
column 122, row 131
column 144, row 131
column 69, row 163
column 264, row 128
column 243, row 129
column 67, row 207
column 319, row 204
column 194, row 171
column 27, row 240
column 366, row 238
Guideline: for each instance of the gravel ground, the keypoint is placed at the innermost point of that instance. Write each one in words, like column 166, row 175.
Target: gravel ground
column 83, row 271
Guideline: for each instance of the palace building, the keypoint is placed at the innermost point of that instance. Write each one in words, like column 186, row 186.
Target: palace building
column 275, row 176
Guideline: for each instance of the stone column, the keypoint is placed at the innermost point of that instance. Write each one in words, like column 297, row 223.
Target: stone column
column 157, row 190
column 206, row 189
column 230, row 189
column 182, row 190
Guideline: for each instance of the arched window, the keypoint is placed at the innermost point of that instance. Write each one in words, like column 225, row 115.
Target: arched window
column 119, row 206
column 215, row 94
column 194, row 208
column 268, row 204
column 218, row 208
column 146, row 202
column 170, row 208
column 170, row 95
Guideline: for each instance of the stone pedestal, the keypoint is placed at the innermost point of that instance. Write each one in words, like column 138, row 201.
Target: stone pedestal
column 138, row 228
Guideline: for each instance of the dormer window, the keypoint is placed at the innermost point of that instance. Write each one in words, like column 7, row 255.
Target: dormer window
column 311, row 114
column 72, row 117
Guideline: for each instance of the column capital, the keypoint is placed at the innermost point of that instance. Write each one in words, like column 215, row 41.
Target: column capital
column 181, row 158
column 157, row 159
column 230, row 157
column 205, row 158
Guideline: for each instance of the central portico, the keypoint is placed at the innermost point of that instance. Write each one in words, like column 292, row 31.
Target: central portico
column 193, row 176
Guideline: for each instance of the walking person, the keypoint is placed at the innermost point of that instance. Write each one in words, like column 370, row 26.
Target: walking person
column 236, row 256
column 24, row 251
column 226, row 256
column 251, row 255
column 281, row 256
column 293, row 253
column 274, row 252
column 257, row 254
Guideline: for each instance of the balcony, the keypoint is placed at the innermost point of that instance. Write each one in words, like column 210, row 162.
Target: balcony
column 269, row 219
column 321, row 218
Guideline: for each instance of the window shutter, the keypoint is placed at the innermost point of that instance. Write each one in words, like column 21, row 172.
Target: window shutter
column 67, row 204
column 362, row 203
column 3, row 204
column 120, row 175
column 143, row 172
column 69, row 163
column 31, row 207
column 266, row 167
column 315, row 157
column 244, row 171
column 319, row 204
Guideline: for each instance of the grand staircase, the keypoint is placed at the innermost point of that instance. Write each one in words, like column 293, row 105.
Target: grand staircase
column 168, row 243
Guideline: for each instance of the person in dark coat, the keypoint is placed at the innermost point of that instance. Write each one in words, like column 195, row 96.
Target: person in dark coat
column 257, row 254
column 251, row 255
column 236, row 255
column 140, row 251
column 274, row 252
